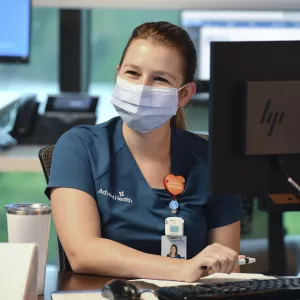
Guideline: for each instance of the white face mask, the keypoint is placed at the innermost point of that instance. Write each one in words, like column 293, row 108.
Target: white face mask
column 144, row 108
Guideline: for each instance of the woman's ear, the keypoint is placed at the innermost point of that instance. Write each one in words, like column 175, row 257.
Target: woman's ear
column 186, row 94
column 118, row 69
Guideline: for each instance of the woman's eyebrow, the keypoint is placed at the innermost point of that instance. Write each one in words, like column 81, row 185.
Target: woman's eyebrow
column 131, row 66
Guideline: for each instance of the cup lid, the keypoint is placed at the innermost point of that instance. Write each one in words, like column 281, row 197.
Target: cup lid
column 28, row 209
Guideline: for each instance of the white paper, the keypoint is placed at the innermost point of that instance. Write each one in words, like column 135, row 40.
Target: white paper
column 18, row 271
column 217, row 277
column 77, row 295
column 240, row 276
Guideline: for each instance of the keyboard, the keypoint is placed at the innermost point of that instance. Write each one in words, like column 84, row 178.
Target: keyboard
column 281, row 288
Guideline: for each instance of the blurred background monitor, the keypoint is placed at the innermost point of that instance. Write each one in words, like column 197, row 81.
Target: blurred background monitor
column 15, row 20
column 236, row 25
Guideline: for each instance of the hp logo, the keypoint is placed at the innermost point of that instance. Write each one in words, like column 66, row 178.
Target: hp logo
column 272, row 118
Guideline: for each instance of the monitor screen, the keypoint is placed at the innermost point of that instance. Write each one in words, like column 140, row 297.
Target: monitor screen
column 15, row 30
column 207, row 26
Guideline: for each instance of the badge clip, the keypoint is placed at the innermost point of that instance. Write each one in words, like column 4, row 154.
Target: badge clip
column 175, row 186
column 174, row 227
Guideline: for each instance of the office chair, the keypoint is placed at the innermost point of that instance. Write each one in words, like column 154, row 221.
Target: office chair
column 45, row 156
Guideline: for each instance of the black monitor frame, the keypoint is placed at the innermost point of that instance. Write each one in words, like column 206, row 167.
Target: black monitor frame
column 20, row 59
column 50, row 106
column 233, row 64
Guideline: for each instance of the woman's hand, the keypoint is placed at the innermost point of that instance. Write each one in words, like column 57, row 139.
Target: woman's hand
column 219, row 258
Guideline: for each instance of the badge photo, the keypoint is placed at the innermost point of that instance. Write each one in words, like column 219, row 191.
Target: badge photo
column 173, row 247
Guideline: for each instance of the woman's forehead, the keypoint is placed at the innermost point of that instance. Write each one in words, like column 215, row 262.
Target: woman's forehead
column 153, row 56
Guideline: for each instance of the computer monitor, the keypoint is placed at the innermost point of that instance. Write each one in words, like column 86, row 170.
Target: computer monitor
column 15, row 30
column 254, row 117
column 205, row 26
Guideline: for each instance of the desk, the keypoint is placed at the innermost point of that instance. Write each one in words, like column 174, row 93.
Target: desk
column 21, row 158
column 69, row 281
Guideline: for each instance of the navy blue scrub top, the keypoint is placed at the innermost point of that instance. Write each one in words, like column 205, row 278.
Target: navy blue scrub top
column 97, row 160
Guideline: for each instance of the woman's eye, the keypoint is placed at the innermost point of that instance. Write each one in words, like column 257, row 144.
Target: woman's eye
column 161, row 79
column 132, row 73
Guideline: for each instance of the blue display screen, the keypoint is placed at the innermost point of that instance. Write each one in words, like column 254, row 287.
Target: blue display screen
column 174, row 228
column 15, row 28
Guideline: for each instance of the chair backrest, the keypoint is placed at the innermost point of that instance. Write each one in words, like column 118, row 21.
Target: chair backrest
column 45, row 156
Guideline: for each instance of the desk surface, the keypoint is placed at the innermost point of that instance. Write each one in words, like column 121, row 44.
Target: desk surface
column 68, row 281
column 21, row 158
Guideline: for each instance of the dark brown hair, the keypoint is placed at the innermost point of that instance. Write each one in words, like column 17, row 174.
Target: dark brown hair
column 178, row 38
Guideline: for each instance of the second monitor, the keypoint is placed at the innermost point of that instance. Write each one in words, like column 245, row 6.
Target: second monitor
column 206, row 26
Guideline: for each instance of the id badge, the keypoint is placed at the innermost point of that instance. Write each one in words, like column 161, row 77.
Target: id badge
column 174, row 247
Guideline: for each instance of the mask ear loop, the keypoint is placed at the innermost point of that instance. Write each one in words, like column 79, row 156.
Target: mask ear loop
column 181, row 89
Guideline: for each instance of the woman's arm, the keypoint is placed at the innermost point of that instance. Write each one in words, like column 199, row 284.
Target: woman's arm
column 228, row 236
column 77, row 223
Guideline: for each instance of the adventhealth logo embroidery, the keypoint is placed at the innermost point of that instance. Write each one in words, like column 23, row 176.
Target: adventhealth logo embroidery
column 121, row 196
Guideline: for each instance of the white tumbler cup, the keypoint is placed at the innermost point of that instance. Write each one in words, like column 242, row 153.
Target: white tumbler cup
column 30, row 223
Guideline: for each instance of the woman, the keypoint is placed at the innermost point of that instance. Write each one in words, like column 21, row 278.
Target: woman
column 173, row 252
column 107, row 181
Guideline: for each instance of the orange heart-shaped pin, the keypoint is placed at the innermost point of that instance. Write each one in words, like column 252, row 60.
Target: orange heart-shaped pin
column 174, row 184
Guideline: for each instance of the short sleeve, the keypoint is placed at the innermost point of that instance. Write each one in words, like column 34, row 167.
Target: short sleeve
column 70, row 166
column 223, row 210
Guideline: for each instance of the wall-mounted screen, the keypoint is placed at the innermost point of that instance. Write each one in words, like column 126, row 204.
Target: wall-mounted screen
column 15, row 30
